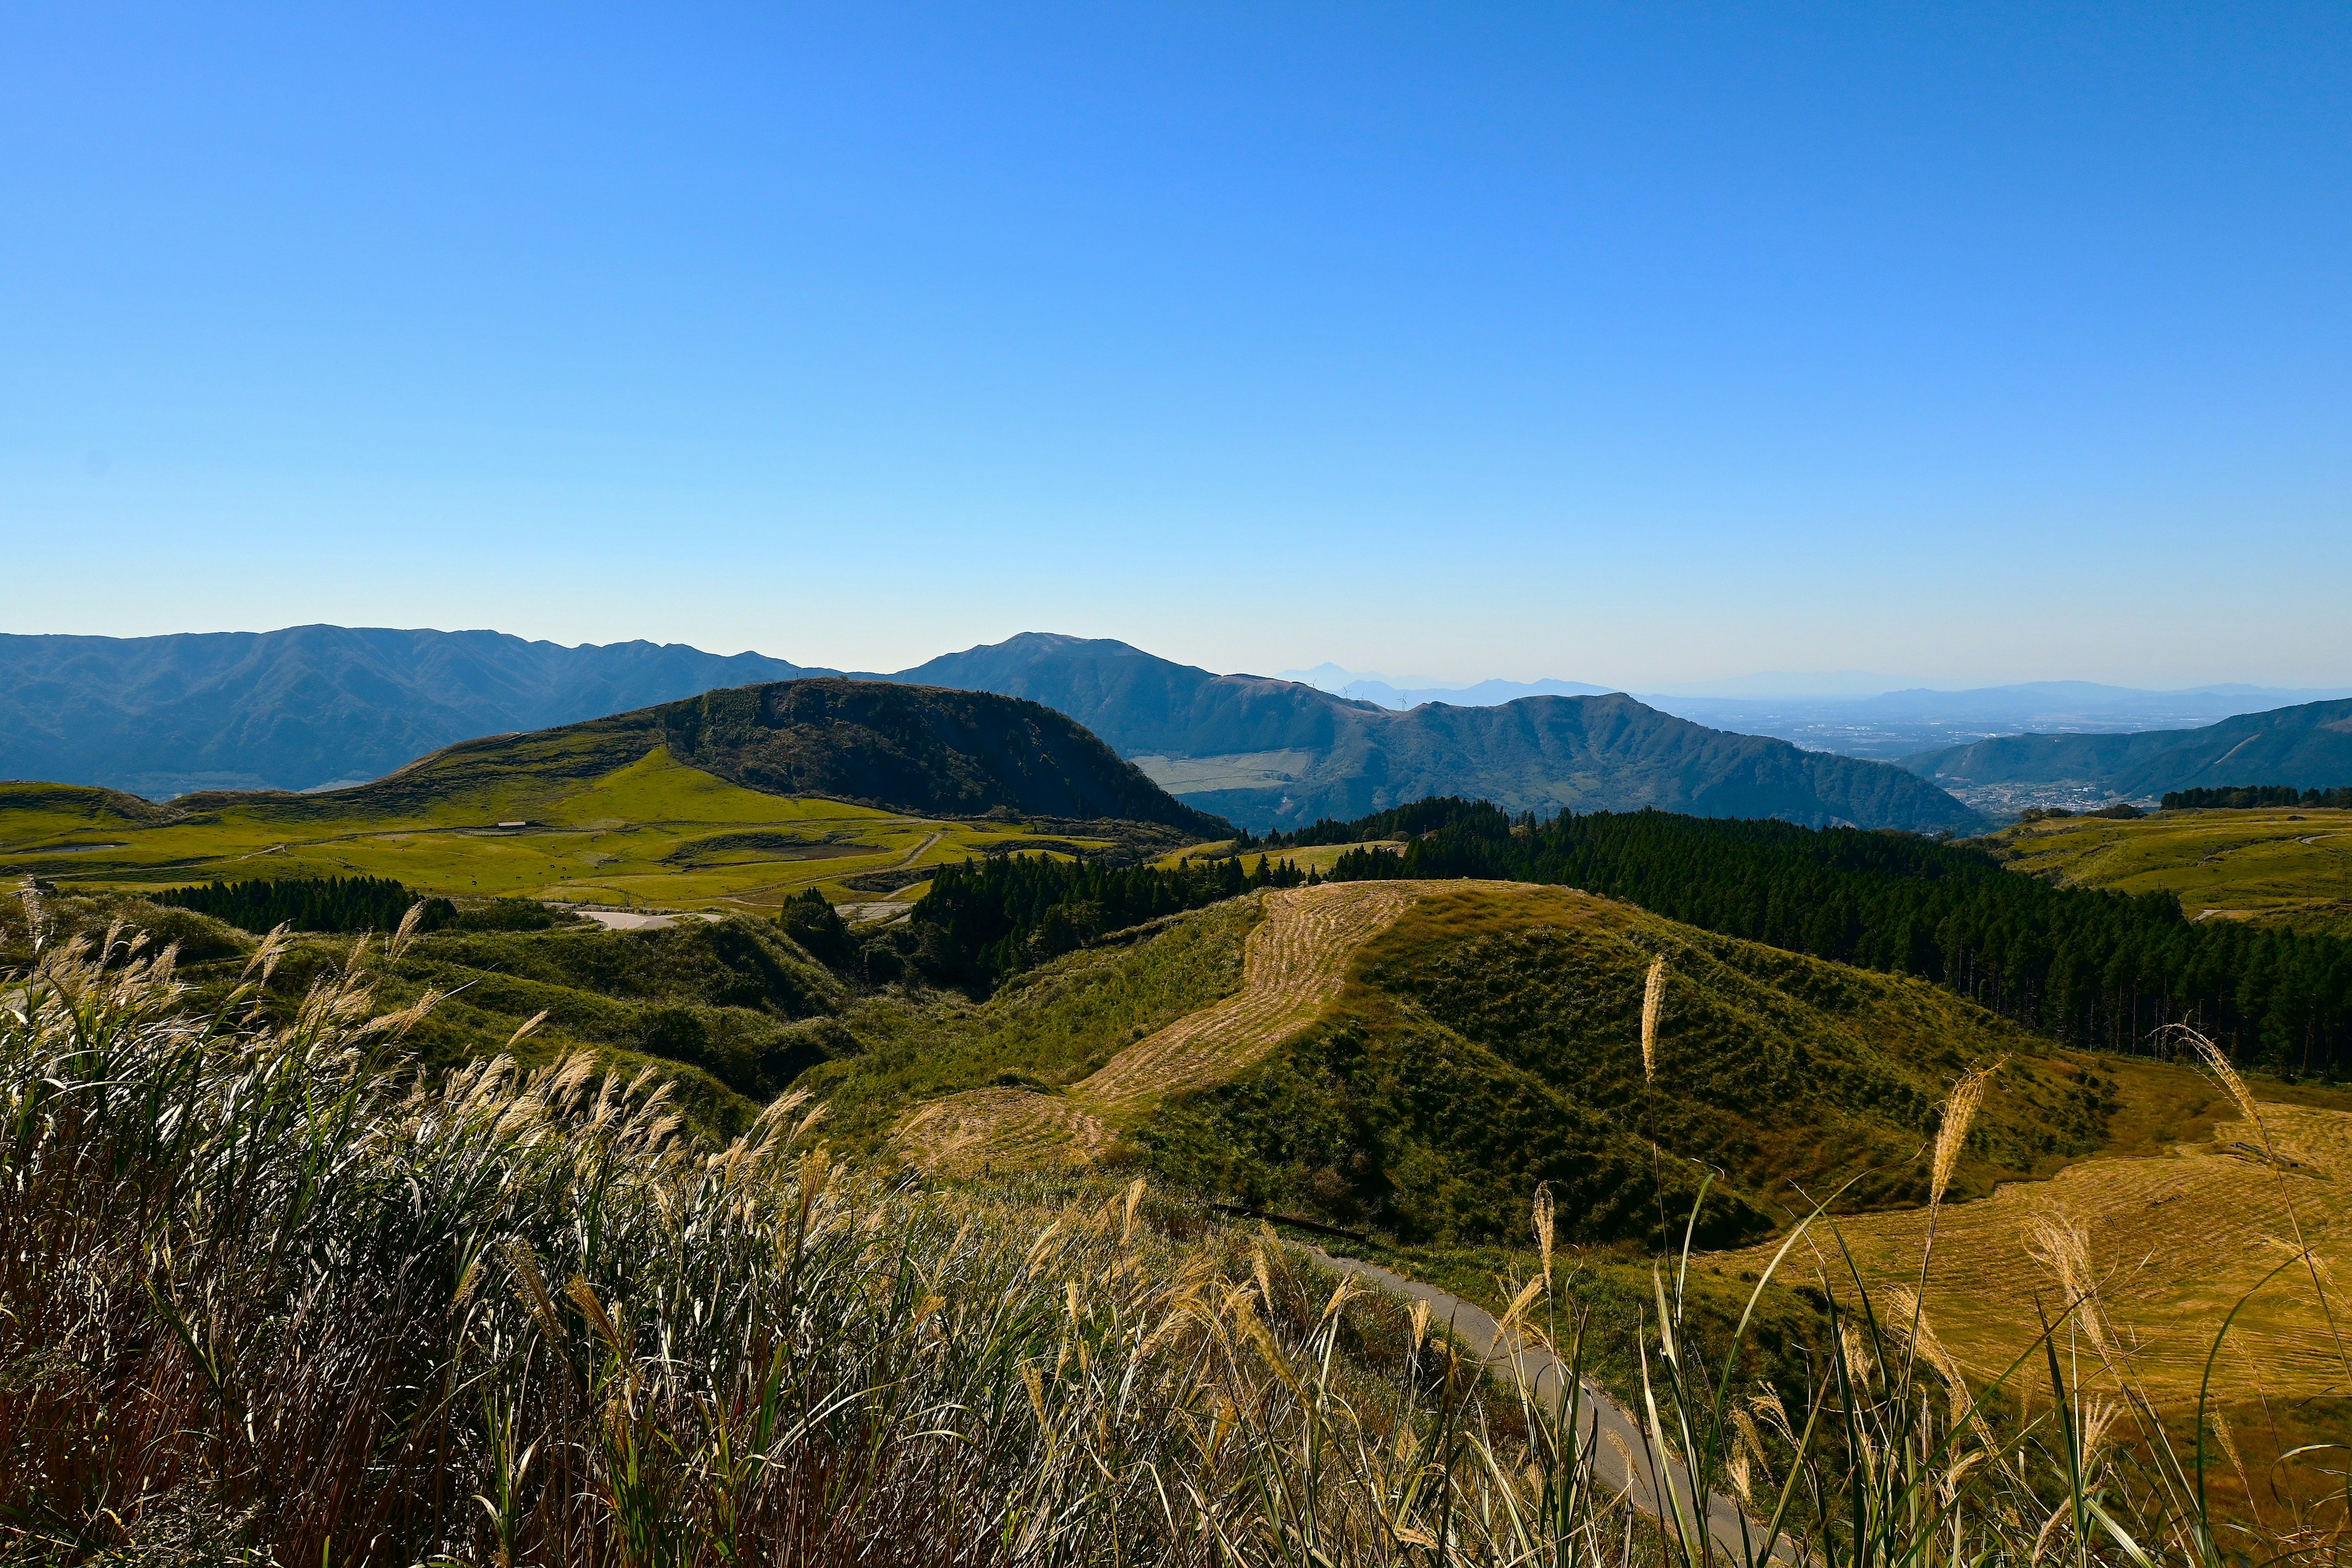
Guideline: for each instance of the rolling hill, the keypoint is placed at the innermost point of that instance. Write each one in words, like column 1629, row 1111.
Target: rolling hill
column 2308, row 746
column 311, row 706
column 1416, row 1057
column 1276, row 753
column 739, row 797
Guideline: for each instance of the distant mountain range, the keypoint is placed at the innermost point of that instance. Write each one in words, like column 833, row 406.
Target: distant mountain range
column 1860, row 715
column 311, row 706
column 2308, row 746
column 315, row 706
column 1267, row 752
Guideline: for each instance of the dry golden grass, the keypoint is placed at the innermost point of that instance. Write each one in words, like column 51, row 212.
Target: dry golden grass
column 2170, row 1242
column 981, row 1129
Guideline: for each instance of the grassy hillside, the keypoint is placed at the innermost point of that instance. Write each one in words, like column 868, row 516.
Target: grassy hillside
column 2308, row 746
column 1276, row 754
column 732, row 1010
column 650, row 832
column 733, row 800
column 244, row 1265
column 1490, row 1040
column 2290, row 864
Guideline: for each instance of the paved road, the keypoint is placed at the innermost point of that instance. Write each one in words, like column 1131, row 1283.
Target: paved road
column 1547, row 1374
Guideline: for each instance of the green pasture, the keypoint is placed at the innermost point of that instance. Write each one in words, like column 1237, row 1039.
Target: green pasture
column 2290, row 863
column 653, row 832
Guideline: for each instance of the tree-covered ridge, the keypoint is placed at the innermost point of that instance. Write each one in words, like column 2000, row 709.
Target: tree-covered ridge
column 2086, row 966
column 2248, row 797
column 309, row 903
column 993, row 917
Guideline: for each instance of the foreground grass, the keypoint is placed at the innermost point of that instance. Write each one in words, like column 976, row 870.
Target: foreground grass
column 266, row 1295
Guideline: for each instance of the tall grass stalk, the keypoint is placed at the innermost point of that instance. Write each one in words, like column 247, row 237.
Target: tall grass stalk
column 266, row 1294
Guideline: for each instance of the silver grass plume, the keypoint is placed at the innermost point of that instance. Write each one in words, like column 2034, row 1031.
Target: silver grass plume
column 1654, row 996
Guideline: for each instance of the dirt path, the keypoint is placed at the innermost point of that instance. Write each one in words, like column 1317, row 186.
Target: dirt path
column 1295, row 964
column 1619, row 1460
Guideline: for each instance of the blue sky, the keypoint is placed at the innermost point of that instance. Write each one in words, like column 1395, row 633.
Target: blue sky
column 1637, row 344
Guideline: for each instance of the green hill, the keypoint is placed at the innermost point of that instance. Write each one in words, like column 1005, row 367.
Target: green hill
column 1276, row 754
column 2276, row 864
column 1490, row 1040
column 738, row 796
column 1486, row 1041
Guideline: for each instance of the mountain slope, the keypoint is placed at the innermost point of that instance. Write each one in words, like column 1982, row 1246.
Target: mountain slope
column 2308, row 746
column 1276, row 754
column 903, row 748
column 312, row 705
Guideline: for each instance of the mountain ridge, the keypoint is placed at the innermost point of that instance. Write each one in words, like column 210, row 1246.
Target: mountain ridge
column 1267, row 752
column 2308, row 745
column 319, row 707
column 307, row 707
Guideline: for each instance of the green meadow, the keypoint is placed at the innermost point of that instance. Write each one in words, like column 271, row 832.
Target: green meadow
column 652, row 833
column 2291, row 864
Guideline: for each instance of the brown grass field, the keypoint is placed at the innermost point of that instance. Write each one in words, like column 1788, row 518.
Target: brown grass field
column 2170, row 1240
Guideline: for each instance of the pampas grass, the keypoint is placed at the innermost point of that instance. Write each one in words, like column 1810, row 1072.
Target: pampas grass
column 270, row 1296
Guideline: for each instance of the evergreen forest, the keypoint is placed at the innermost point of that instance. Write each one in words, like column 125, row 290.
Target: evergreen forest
column 2088, row 968
column 309, row 903
column 2245, row 797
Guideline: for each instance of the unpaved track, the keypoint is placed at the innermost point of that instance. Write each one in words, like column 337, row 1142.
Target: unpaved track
column 1618, row 1461
column 1295, row 964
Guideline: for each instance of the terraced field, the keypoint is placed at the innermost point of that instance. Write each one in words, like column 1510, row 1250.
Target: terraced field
column 2291, row 863
column 1295, row 963
column 654, row 833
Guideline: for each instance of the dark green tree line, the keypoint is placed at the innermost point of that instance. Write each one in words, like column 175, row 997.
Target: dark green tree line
column 2088, row 968
column 309, row 903
column 997, row 917
column 2241, row 798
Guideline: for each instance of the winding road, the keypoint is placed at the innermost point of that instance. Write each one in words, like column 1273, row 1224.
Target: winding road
column 1619, row 1460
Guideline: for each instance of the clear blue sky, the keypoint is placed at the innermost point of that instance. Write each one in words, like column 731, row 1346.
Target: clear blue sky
column 1631, row 344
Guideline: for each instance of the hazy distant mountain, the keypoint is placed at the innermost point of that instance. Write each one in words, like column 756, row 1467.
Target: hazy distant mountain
column 312, row 705
column 1411, row 692
column 1486, row 694
column 1271, row 753
column 1900, row 724
column 2308, row 746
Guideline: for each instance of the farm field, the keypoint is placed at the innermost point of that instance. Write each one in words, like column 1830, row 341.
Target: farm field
column 652, row 833
column 2291, row 863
